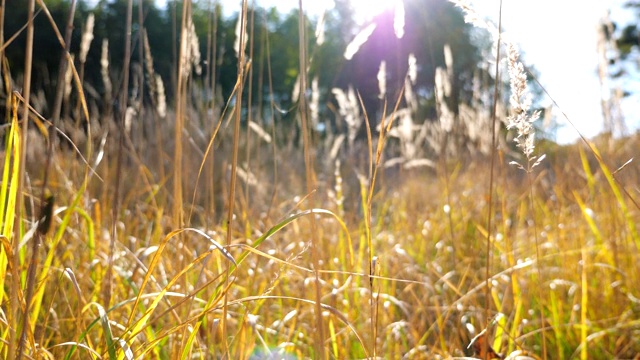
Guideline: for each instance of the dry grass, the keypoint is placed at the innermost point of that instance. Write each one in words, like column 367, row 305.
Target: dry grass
column 359, row 257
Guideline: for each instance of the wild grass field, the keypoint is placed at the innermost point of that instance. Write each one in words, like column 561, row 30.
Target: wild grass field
column 202, row 231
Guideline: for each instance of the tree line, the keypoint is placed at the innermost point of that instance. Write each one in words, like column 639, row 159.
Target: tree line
column 430, row 25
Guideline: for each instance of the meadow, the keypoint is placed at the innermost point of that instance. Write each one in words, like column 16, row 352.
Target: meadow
column 200, row 230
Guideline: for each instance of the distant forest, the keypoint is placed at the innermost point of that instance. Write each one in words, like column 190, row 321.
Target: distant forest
column 273, row 50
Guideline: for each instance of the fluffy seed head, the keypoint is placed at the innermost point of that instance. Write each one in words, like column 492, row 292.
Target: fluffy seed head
column 87, row 37
column 520, row 102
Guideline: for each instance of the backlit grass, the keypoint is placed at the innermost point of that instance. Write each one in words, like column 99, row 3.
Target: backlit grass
column 208, row 242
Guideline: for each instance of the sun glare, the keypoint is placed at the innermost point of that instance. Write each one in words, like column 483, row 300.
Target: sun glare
column 366, row 10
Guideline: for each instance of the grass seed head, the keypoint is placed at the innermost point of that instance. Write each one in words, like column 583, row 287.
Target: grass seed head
column 87, row 38
column 520, row 102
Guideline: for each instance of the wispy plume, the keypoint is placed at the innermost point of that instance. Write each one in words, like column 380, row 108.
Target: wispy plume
column 520, row 100
column 411, row 138
column 358, row 41
column 448, row 59
column 161, row 106
column 349, row 109
column 320, row 29
column 195, row 49
column 471, row 16
column 87, row 38
column 190, row 50
column 443, row 90
column 260, row 132
column 295, row 93
column 520, row 118
column 68, row 76
column 382, row 79
column 314, row 104
column 106, row 80
column 398, row 20
column 410, row 79
column 413, row 68
column 156, row 87
column 236, row 43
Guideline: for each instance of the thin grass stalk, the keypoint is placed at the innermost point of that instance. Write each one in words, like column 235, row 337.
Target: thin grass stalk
column 8, row 194
column 234, row 162
column 36, row 303
column 106, row 80
column 260, row 100
column 249, row 115
column 4, row 76
column 207, row 76
column 523, row 122
column 541, row 292
column 8, row 209
column 516, row 313
column 140, row 109
column 494, row 150
column 17, row 344
column 2, row 10
column 593, row 150
column 46, row 203
column 584, row 284
column 310, row 179
column 60, row 90
column 443, row 160
column 366, row 203
column 209, row 105
column 174, row 47
column 182, row 69
column 272, row 107
column 447, row 194
column 19, row 32
column 85, row 44
column 62, row 68
column 213, row 68
column 374, row 166
column 158, row 99
column 122, row 113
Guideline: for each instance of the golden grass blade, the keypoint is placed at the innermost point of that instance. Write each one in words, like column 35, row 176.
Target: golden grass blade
column 146, row 321
column 17, row 33
column 584, row 304
column 8, row 198
column 51, row 255
column 106, row 331
column 10, row 171
column 18, row 341
column 617, row 192
column 279, row 226
column 323, row 306
column 74, row 344
column 137, row 326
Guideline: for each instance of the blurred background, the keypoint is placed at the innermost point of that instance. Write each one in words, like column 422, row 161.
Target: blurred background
column 584, row 54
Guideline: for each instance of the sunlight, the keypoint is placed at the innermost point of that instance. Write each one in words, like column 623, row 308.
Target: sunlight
column 366, row 10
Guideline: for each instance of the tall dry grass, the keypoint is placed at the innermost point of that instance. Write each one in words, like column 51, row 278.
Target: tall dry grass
column 398, row 246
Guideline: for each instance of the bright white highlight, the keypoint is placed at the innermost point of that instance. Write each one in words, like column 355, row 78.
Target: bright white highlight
column 358, row 41
column 365, row 10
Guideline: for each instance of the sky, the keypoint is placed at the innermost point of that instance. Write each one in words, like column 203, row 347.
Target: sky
column 559, row 38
